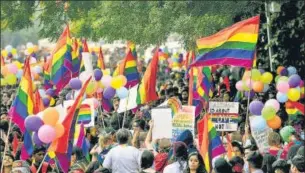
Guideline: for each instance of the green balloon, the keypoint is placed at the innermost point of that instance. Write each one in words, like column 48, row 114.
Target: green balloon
column 268, row 112
column 286, row 132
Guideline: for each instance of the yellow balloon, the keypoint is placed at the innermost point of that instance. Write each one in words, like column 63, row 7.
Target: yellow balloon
column 4, row 53
column 14, row 51
column 11, row 79
column 3, row 82
column 266, row 78
column 30, row 50
column 52, row 101
column 116, row 83
column 18, row 64
column 256, row 74
column 293, row 94
column 90, row 88
column 106, row 72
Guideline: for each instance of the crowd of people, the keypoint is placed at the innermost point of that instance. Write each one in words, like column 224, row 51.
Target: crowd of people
column 126, row 146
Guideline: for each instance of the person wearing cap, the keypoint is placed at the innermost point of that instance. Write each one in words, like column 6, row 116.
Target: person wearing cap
column 297, row 164
column 20, row 166
column 38, row 154
column 280, row 166
column 255, row 161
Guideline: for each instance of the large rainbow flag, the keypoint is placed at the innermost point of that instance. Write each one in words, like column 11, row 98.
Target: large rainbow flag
column 23, row 107
column 132, row 46
column 234, row 45
column 61, row 61
column 211, row 145
column 76, row 57
column 147, row 88
column 129, row 69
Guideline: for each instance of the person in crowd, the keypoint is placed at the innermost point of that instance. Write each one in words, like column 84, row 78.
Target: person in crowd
column 123, row 158
column 7, row 162
column 38, row 155
column 293, row 151
column 20, row 166
column 274, row 141
column 179, row 159
column 237, row 164
column 78, row 160
column 280, row 166
column 297, row 164
column 147, row 160
column 187, row 137
column 195, row 163
column 184, row 96
column 268, row 160
column 238, row 149
column 139, row 133
column 255, row 160
column 301, row 151
column 222, row 166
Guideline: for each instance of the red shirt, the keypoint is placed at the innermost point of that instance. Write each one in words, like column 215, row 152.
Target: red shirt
column 274, row 152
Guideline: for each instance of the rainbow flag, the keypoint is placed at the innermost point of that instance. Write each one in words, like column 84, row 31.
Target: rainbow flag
column 132, row 46
column 38, row 103
column 147, row 88
column 61, row 61
column 100, row 60
column 234, row 45
column 23, row 107
column 76, row 57
column 84, row 115
column 106, row 104
column 81, row 142
column 46, row 74
column 129, row 68
column 83, row 48
column 63, row 145
column 204, row 85
column 190, row 56
column 211, row 145
column 174, row 104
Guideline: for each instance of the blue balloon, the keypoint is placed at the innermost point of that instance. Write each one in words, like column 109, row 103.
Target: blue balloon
column 281, row 97
column 122, row 92
column 258, row 123
column 291, row 70
column 19, row 74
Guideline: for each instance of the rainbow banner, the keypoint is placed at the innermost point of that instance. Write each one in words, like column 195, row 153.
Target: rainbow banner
column 234, row 45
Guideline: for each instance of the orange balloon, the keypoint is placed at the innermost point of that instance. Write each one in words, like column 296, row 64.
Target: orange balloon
column 36, row 76
column 50, row 116
column 35, row 48
column 275, row 122
column 4, row 70
column 60, row 130
column 258, row 86
column 279, row 69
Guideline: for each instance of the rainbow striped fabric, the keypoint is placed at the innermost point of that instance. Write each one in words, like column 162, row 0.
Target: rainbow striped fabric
column 132, row 46
column 23, row 107
column 61, row 70
column 234, row 45
column 81, row 142
column 129, row 69
column 174, row 104
column 100, row 60
column 84, row 115
column 76, row 57
column 211, row 145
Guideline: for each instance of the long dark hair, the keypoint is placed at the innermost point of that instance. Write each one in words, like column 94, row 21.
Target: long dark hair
column 201, row 167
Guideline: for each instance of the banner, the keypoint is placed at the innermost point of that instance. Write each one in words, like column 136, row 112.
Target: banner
column 132, row 100
column 183, row 120
column 260, row 136
column 162, row 118
column 224, row 115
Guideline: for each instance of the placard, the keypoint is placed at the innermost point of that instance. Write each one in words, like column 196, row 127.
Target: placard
column 260, row 136
column 132, row 100
column 223, row 107
column 183, row 120
column 162, row 118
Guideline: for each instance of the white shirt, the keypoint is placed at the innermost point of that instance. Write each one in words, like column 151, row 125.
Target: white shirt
column 174, row 168
column 123, row 158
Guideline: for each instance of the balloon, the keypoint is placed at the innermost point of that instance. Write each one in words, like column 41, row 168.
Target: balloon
column 8, row 48
column 4, row 53
column 289, row 105
column 291, row 70
column 256, row 74
column 122, row 92
column 281, row 97
column 275, row 122
column 75, row 83
column 249, row 92
column 256, row 107
column 279, row 69
column 90, row 88
column 29, row 45
column 276, row 79
column 108, row 93
column 52, row 101
column 246, row 75
column 258, row 123
column 266, row 78
column 46, row 133
column 59, row 130
column 284, row 72
column 33, row 60
column 33, row 123
column 262, row 71
column 35, row 48
column 282, row 86
column 116, row 83
column 38, row 69
column 84, row 76
column 286, row 132
column 268, row 112
column 273, row 103
column 19, row 74
column 247, row 85
column 50, row 116
column 123, row 79
column 12, row 68
column 99, row 90
column 36, row 139
column 95, row 103
column 98, row 74
column 11, row 79
column 294, row 80
column 18, row 64
column 50, row 92
column 266, row 87
column 293, row 94
column 46, row 101
column 4, row 70
column 106, row 80
column 239, row 85
column 3, row 82
column 283, row 78
column 258, row 86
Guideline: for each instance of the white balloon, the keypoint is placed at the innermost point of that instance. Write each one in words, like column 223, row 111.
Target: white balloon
column 9, row 48
column 29, row 45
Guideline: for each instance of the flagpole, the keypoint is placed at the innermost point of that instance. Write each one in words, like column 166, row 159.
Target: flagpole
column 126, row 107
column 248, row 102
column 6, row 140
column 45, row 156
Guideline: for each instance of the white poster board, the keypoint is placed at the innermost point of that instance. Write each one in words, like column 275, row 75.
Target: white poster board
column 132, row 100
column 223, row 107
column 162, row 118
column 260, row 136
column 184, row 120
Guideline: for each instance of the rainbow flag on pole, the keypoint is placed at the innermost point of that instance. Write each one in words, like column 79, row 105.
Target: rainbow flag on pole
column 22, row 107
column 129, row 69
column 100, row 60
column 234, row 45
column 76, row 57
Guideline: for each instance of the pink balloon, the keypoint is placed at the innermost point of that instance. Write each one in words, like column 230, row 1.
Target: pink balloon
column 239, row 85
column 33, row 60
column 106, row 80
column 12, row 68
column 46, row 134
column 273, row 103
column 282, row 86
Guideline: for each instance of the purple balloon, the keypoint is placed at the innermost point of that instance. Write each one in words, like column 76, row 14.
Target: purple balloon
column 252, row 93
column 36, row 139
column 98, row 74
column 256, row 107
column 46, row 101
column 75, row 83
column 284, row 72
column 108, row 93
column 50, row 92
column 294, row 80
column 33, row 123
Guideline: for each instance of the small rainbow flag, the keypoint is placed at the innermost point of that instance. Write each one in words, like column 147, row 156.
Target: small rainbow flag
column 130, row 70
column 84, row 115
column 174, row 104
column 100, row 60
column 234, row 45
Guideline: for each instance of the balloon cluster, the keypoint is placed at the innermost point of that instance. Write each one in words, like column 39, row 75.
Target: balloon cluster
column 31, row 49
column 267, row 111
column 255, row 80
column 47, row 128
column 9, row 52
column 48, row 100
column 289, row 85
column 175, row 62
column 11, row 72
